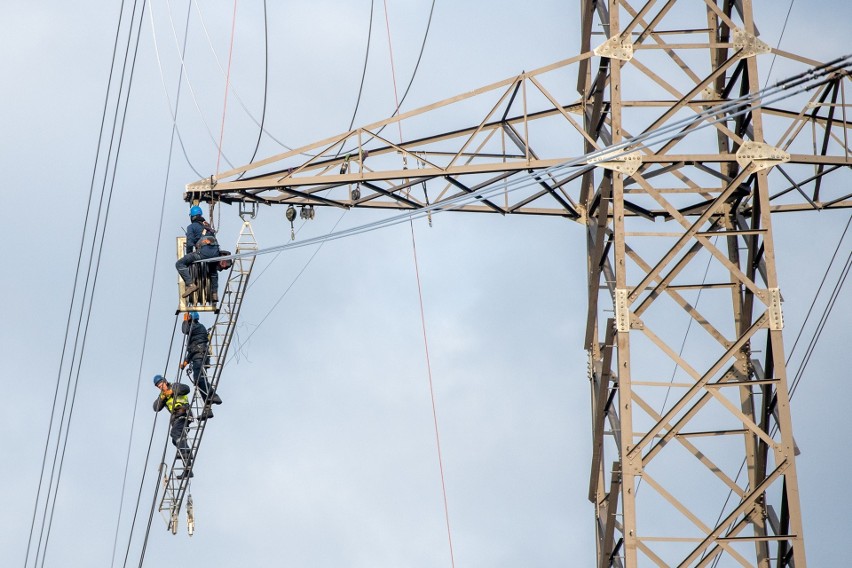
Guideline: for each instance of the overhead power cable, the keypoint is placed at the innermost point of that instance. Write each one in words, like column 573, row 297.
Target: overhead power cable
column 192, row 93
column 74, row 287
column 87, row 293
column 401, row 100
column 819, row 289
column 364, row 69
column 841, row 280
column 265, row 81
column 232, row 86
column 157, row 484
column 227, row 87
column 99, row 256
column 147, row 321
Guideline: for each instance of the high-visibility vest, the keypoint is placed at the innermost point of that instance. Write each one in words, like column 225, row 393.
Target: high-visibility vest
column 171, row 403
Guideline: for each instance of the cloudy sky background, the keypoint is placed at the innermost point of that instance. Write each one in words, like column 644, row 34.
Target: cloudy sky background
column 324, row 453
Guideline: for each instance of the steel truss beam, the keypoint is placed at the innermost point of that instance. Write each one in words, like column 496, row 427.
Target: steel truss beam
column 697, row 466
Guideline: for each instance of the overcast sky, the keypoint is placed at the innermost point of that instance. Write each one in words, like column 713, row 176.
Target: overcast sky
column 323, row 453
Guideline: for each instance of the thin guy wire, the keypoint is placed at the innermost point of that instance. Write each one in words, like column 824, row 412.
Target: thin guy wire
column 227, row 83
column 780, row 38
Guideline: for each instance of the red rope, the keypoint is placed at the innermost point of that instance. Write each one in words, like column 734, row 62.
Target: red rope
column 227, row 87
column 423, row 317
column 432, row 395
column 393, row 68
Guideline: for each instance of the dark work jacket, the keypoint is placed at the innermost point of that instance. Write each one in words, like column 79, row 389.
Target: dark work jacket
column 182, row 406
column 200, row 230
column 196, row 339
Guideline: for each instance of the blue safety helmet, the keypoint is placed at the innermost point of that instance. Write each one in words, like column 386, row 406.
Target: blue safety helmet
column 194, row 315
column 158, row 379
column 194, row 211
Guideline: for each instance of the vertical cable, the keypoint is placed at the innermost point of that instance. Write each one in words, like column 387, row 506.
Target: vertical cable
column 432, row 396
column 422, row 313
column 227, row 87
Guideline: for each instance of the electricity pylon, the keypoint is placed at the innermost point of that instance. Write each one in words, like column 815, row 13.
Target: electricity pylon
column 693, row 451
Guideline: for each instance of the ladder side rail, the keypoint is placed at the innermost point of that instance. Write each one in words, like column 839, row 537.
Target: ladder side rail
column 220, row 336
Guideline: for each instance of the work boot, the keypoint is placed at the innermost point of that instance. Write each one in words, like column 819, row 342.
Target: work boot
column 187, row 473
column 206, row 413
column 215, row 399
column 189, row 289
column 214, row 297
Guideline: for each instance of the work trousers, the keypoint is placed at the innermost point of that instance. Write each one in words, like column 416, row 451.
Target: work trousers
column 183, row 263
column 198, row 379
column 178, row 425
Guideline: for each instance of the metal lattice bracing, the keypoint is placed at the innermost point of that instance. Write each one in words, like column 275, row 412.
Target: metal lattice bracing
column 693, row 454
column 698, row 466
column 220, row 335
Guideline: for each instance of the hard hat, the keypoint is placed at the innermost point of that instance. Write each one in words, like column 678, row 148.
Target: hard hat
column 194, row 315
column 158, row 379
column 194, row 211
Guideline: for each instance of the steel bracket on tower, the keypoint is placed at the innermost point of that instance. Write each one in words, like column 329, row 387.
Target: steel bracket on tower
column 616, row 48
column 763, row 155
column 205, row 184
column 626, row 164
column 622, row 310
column 776, row 317
column 748, row 45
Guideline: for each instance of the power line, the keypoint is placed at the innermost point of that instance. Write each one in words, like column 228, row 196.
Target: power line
column 76, row 359
column 76, row 280
column 148, row 317
column 97, row 265
column 819, row 289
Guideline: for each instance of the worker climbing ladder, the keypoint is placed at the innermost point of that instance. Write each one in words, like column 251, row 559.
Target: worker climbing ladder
column 176, row 480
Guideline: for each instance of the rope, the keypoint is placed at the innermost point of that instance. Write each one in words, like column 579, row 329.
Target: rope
column 232, row 86
column 193, row 96
column 227, row 83
column 422, row 312
column 410, row 81
column 392, row 66
column 432, row 397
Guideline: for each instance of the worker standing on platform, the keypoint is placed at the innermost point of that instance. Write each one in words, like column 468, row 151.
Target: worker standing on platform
column 201, row 244
column 196, row 357
column 174, row 397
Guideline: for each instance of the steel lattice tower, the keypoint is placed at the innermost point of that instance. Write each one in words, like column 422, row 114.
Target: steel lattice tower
column 693, row 452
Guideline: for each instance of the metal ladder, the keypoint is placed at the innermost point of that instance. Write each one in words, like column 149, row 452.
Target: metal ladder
column 220, row 335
